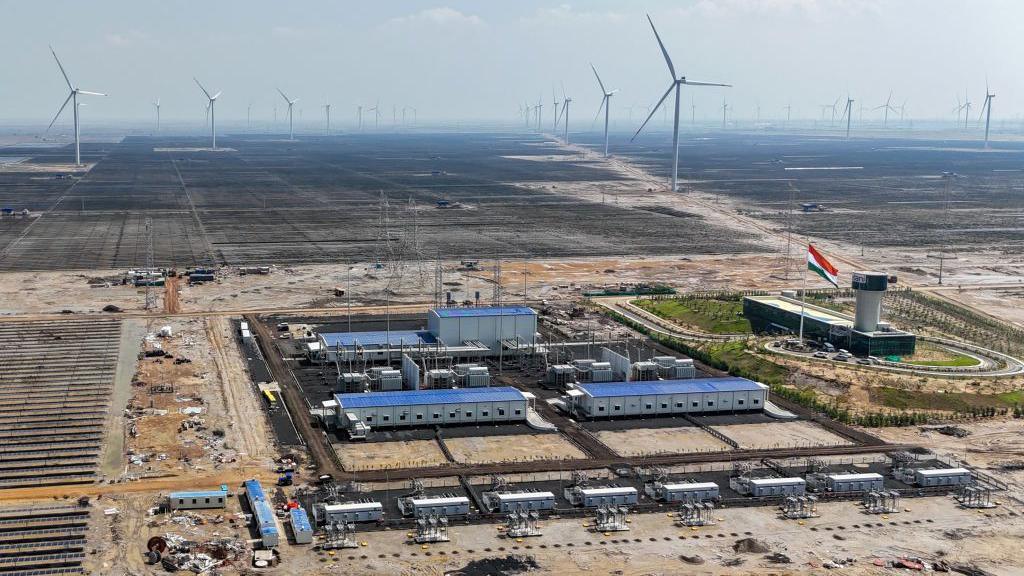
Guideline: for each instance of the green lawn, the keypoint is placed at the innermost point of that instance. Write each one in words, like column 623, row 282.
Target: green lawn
column 954, row 401
column 711, row 316
column 958, row 360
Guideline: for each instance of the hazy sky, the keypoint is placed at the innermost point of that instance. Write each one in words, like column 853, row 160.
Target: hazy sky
column 467, row 60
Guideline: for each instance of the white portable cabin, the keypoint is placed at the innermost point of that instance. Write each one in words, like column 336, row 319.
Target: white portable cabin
column 349, row 512
column 410, row 408
column 760, row 487
column 439, row 505
column 197, row 499
column 926, row 477
column 689, row 492
column 605, row 496
column 519, row 501
column 868, row 482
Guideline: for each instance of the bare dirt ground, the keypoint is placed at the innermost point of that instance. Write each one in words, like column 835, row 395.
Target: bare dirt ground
column 648, row 441
column 193, row 411
column 1006, row 303
column 382, row 455
column 512, row 448
column 781, row 435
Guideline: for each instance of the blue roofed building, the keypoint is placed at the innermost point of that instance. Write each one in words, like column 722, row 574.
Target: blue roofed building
column 262, row 513
column 667, row 397
column 432, row 407
column 302, row 529
column 463, row 333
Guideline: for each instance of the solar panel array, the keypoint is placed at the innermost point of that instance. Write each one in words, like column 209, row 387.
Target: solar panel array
column 43, row 540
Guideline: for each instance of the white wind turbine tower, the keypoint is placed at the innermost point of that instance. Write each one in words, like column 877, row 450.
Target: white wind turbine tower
column 157, row 105
column 291, row 103
column 554, row 110
column 606, row 103
column 564, row 112
column 540, row 108
column 210, row 100
column 848, row 114
column 327, row 110
column 967, row 108
column 72, row 97
column 986, row 109
column 677, row 83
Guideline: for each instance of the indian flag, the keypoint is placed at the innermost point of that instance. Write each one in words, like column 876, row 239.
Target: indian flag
column 818, row 263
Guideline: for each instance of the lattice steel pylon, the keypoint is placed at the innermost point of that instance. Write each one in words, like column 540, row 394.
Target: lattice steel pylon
column 385, row 256
column 790, row 266
column 496, row 281
column 413, row 249
column 150, row 295
column 438, row 281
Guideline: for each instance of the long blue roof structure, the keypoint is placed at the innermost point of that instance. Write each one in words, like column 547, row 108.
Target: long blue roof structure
column 396, row 338
column 300, row 520
column 684, row 386
column 485, row 311
column 427, row 397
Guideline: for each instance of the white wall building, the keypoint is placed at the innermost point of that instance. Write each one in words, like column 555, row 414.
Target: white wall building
column 663, row 397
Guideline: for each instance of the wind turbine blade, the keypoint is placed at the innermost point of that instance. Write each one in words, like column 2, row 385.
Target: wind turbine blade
column 283, row 96
column 215, row 96
column 655, row 109
column 62, row 106
column 91, row 93
column 689, row 83
column 599, row 108
column 201, row 87
column 671, row 68
column 294, row 101
column 68, row 80
column 598, row 76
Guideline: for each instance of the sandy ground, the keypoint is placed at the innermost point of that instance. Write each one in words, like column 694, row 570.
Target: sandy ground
column 512, row 448
column 647, row 441
column 1004, row 303
column 781, row 435
column 197, row 415
column 397, row 454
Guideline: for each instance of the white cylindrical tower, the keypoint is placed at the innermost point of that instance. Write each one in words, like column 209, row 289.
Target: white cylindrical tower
column 869, row 288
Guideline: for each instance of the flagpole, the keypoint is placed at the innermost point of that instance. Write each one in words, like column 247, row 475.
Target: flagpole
column 803, row 295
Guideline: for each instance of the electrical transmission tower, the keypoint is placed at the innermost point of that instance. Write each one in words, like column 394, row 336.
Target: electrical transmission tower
column 790, row 266
column 438, row 282
column 150, row 295
column 496, row 281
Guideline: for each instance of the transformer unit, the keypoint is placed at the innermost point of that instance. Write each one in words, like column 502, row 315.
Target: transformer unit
column 349, row 382
column 604, row 496
column 927, row 477
column 645, row 371
column 689, row 492
column 672, row 368
column 385, row 379
column 446, row 505
column 348, row 512
column 478, row 377
column 440, row 378
column 601, row 372
column 559, row 375
column 505, row 502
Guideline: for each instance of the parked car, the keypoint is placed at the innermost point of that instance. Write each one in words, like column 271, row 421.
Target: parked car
column 820, row 354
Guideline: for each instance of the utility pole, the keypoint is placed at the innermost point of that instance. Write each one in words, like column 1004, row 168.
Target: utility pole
column 150, row 295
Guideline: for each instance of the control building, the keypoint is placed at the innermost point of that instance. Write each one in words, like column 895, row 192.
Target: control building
column 262, row 513
column 865, row 334
column 665, row 397
column 431, row 407
column 462, row 333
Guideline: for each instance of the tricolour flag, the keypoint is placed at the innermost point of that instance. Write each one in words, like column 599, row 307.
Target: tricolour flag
column 818, row 263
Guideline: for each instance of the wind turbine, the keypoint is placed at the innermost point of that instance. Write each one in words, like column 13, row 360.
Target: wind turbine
column 789, row 113
column 327, row 109
column 887, row 107
column 359, row 115
column 540, row 109
column 554, row 110
column 565, row 112
column 376, row 114
column 606, row 103
column 986, row 109
column 725, row 109
column 291, row 103
column 677, row 83
column 72, row 97
column 967, row 108
column 848, row 114
column 210, row 100
column 157, row 105
column 248, row 118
